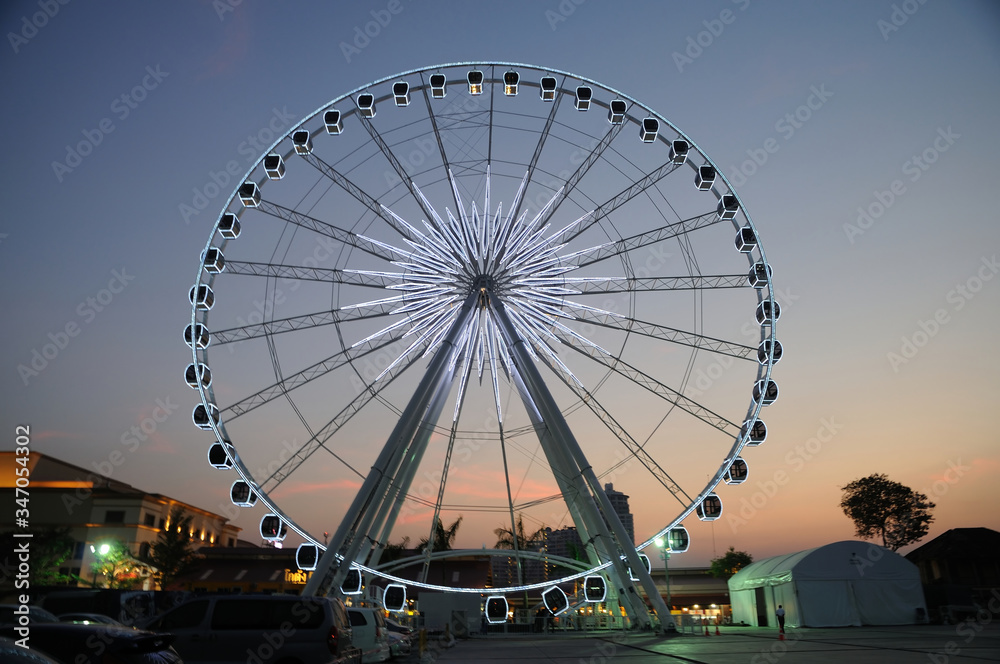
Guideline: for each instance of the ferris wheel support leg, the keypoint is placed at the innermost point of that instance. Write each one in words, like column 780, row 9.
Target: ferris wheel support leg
column 580, row 503
column 410, row 466
column 329, row 574
column 566, row 442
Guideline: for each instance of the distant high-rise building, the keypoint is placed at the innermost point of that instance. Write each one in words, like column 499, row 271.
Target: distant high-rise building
column 619, row 501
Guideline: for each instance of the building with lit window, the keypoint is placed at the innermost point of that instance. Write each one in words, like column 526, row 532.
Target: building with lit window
column 98, row 509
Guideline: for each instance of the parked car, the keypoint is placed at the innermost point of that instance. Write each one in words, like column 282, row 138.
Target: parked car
column 87, row 643
column 260, row 628
column 96, row 618
column 399, row 644
column 11, row 653
column 370, row 633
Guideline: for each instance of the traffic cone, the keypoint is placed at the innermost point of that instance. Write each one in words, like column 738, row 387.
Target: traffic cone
column 706, row 629
column 717, row 632
column 781, row 635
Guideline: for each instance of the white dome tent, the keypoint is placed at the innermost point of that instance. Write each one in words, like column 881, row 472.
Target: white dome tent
column 837, row 585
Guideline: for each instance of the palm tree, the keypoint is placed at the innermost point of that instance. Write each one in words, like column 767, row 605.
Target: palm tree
column 507, row 540
column 444, row 538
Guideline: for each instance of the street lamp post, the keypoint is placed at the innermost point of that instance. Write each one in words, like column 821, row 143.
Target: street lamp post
column 664, row 547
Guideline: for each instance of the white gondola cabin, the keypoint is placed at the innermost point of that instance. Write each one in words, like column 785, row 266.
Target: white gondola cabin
column 213, row 261
column 274, row 166
column 302, row 142
column 366, row 105
column 616, row 111
column 219, row 456
column 704, row 179
column 759, row 274
column 438, row 82
column 746, row 240
column 272, row 528
column 648, row 129
column 547, row 88
column 678, row 539
column 475, row 82
column 555, row 600
column 333, row 121
column 202, row 297
column 401, row 93
column 197, row 336
column 765, row 392
column 394, row 598
column 496, row 609
column 510, row 80
column 584, row 95
column 205, row 417
column 768, row 312
column 306, row 556
column 353, row 582
column 229, row 226
column 595, row 588
column 710, row 508
column 242, row 495
column 769, row 351
column 198, row 375
column 728, row 207
column 737, row 472
column 250, row 194
column 755, row 432
column 679, row 151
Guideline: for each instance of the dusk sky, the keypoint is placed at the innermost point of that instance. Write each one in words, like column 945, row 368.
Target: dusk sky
column 861, row 137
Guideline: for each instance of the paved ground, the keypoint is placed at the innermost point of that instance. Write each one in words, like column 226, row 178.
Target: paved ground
column 970, row 643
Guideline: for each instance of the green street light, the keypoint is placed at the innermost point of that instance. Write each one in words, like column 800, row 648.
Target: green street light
column 664, row 548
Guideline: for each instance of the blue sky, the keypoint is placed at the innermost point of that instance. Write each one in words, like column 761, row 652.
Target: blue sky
column 860, row 135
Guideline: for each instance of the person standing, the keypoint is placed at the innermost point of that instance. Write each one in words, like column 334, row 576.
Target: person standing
column 781, row 619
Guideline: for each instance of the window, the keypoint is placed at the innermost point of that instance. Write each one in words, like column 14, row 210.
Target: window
column 163, row 523
column 78, row 548
column 114, row 516
column 150, row 519
column 144, row 550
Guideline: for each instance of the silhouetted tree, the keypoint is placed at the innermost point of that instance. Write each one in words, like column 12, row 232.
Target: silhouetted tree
column 173, row 554
column 444, row 538
column 730, row 563
column 882, row 508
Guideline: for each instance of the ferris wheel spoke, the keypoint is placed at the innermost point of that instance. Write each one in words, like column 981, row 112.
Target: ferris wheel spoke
column 624, row 196
column 651, row 384
column 368, row 278
column 542, row 136
column 358, row 193
column 366, row 244
column 395, row 163
column 602, row 252
column 612, row 424
column 309, row 374
column 365, row 311
column 613, row 285
column 330, row 429
column 614, row 321
column 592, row 158
column 437, row 132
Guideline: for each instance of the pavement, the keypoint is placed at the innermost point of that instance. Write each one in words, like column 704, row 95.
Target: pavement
column 967, row 643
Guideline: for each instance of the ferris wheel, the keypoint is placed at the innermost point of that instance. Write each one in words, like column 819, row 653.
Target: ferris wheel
column 484, row 291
